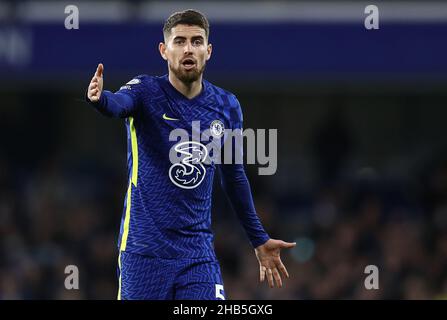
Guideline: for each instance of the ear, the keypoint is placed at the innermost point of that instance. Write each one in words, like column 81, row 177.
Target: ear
column 162, row 49
column 209, row 49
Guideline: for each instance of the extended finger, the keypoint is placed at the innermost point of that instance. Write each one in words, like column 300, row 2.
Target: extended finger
column 99, row 70
column 287, row 245
column 277, row 278
column 283, row 269
column 261, row 273
column 270, row 277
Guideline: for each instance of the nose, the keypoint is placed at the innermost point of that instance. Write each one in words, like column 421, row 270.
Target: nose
column 188, row 47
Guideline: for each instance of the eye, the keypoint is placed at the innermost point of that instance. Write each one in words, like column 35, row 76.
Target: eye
column 179, row 41
column 197, row 42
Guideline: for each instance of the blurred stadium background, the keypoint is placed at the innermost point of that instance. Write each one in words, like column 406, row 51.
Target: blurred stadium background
column 362, row 171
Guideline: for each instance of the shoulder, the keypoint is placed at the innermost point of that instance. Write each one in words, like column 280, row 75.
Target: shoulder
column 229, row 103
column 140, row 79
column 224, row 97
column 140, row 84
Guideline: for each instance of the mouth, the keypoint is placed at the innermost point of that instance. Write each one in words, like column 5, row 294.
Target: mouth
column 188, row 63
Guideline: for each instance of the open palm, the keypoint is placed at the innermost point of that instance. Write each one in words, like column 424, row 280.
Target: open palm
column 270, row 263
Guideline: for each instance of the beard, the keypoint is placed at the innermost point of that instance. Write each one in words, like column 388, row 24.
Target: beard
column 187, row 76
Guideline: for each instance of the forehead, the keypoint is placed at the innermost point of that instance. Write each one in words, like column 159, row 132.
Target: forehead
column 187, row 31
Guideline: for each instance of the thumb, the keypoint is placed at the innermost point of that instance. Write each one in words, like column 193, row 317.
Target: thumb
column 99, row 70
column 287, row 245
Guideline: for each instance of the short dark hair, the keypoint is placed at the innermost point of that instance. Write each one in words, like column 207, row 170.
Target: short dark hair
column 189, row 17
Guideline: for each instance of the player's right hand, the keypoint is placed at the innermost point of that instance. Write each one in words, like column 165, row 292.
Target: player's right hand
column 96, row 84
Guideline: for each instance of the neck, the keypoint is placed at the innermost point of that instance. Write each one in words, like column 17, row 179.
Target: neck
column 189, row 90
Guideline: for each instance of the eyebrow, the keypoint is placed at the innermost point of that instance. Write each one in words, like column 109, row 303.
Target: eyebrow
column 192, row 38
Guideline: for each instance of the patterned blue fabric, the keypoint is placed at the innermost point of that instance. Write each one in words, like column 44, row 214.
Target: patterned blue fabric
column 149, row 278
column 169, row 211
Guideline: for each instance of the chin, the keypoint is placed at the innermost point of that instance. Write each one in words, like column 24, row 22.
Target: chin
column 188, row 76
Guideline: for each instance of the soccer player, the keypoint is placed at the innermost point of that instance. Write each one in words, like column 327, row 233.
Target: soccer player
column 166, row 243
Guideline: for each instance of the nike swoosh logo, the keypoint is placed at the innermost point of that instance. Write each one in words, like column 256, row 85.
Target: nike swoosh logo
column 168, row 118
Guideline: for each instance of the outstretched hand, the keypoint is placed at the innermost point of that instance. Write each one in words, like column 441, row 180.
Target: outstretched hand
column 270, row 263
column 96, row 84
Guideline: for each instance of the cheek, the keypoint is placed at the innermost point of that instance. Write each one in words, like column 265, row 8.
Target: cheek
column 203, row 55
column 172, row 56
column 172, row 59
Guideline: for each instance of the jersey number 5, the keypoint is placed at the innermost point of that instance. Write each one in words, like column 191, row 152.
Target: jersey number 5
column 219, row 292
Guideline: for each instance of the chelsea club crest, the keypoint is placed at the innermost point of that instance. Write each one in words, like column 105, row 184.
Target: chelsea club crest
column 217, row 128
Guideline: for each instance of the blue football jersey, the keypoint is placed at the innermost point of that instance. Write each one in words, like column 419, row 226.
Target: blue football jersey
column 167, row 207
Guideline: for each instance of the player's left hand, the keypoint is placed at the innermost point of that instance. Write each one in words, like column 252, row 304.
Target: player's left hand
column 270, row 263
